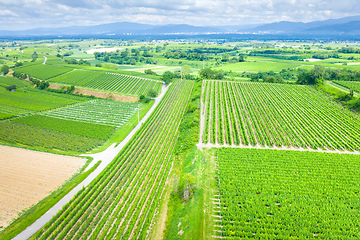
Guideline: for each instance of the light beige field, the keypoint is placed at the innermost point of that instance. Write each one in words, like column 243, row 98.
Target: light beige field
column 28, row 176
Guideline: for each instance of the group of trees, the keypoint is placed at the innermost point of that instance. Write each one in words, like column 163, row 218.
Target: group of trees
column 319, row 73
column 126, row 57
column 77, row 62
column 208, row 73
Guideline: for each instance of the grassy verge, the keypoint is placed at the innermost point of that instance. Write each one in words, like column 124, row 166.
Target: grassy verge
column 187, row 202
column 31, row 215
column 121, row 132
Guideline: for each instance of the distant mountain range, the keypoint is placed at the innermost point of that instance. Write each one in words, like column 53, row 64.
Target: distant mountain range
column 348, row 26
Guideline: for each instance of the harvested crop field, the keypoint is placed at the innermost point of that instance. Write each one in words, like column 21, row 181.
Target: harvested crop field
column 29, row 176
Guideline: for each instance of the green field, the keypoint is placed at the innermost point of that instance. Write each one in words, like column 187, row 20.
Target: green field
column 131, row 185
column 264, row 114
column 29, row 100
column 85, row 129
column 43, row 72
column 354, row 85
column 27, row 135
column 114, row 82
column 257, row 66
column 103, row 112
column 272, row 194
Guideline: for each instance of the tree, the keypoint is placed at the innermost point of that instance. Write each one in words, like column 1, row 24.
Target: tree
column 168, row 76
column 242, row 58
column 11, row 87
column 5, row 69
column 18, row 64
column 152, row 93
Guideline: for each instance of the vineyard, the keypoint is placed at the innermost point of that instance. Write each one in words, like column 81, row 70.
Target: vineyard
column 354, row 85
column 31, row 100
column 272, row 194
column 114, row 82
column 122, row 201
column 43, row 72
column 19, row 133
column 105, row 112
column 276, row 115
column 86, row 129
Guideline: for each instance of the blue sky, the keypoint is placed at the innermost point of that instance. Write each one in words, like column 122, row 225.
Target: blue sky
column 25, row 14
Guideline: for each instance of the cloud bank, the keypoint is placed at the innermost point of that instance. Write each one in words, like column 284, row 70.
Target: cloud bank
column 25, row 14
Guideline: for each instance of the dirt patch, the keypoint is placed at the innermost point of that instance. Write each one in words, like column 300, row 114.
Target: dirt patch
column 29, row 176
column 58, row 87
column 112, row 96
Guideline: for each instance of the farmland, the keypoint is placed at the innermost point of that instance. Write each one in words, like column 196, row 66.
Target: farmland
column 132, row 184
column 114, row 82
column 354, row 85
column 239, row 149
column 104, row 112
column 28, row 100
column 273, row 115
column 29, row 176
column 272, row 194
column 43, row 71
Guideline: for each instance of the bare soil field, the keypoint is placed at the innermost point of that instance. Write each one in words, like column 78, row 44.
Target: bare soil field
column 27, row 177
column 112, row 96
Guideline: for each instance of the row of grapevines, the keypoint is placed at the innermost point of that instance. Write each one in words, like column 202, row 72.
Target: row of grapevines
column 42, row 71
column 24, row 101
column 350, row 84
column 121, row 202
column 277, row 115
column 16, row 132
column 115, row 82
column 272, row 194
column 105, row 112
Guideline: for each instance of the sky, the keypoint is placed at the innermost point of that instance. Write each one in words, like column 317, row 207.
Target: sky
column 26, row 14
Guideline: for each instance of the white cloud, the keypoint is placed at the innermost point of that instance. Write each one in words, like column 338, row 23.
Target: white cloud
column 44, row 13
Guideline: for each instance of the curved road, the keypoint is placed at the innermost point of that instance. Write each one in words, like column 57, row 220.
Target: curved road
column 106, row 157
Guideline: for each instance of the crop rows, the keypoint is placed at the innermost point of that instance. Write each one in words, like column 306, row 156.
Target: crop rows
column 42, row 71
column 268, row 115
column 17, row 132
column 122, row 201
column 272, row 194
column 27, row 101
column 124, row 84
column 86, row 129
column 354, row 85
column 105, row 112
column 114, row 82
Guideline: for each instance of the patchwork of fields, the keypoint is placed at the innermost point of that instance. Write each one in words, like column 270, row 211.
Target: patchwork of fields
column 122, row 201
column 29, row 100
column 243, row 180
column 276, row 115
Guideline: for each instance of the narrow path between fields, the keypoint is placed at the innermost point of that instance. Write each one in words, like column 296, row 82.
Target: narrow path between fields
column 45, row 60
column 201, row 145
column 106, row 157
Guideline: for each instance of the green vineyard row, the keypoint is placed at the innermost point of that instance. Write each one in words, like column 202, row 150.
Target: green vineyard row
column 114, row 82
